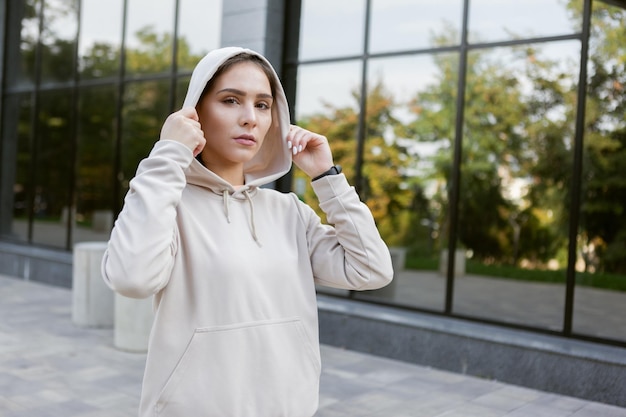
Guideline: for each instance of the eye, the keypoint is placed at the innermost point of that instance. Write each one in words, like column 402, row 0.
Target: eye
column 230, row 100
column 263, row 105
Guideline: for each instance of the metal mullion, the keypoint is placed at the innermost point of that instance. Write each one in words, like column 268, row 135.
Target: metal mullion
column 574, row 222
column 34, row 116
column 455, row 189
column 71, row 203
column 362, row 121
column 442, row 49
column 289, row 72
column 4, row 9
column 118, row 116
column 525, row 41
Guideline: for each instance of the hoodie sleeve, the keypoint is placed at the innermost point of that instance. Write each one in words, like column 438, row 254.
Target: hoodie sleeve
column 350, row 254
column 140, row 253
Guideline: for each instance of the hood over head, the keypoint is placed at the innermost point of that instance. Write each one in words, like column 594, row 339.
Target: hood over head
column 273, row 160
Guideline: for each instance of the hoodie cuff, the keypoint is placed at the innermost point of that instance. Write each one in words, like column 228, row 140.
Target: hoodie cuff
column 173, row 150
column 330, row 186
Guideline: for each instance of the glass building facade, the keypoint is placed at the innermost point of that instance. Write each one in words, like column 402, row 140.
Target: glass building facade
column 488, row 138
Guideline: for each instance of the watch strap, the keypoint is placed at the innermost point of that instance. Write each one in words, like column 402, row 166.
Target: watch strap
column 334, row 170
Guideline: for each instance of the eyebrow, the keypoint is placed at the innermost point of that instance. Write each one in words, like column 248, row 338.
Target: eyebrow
column 243, row 93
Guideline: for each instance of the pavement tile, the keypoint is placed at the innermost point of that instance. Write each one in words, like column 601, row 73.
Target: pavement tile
column 473, row 410
column 501, row 399
column 538, row 410
column 600, row 410
column 560, row 402
column 50, row 367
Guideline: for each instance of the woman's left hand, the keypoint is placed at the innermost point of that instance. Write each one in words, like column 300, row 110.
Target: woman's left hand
column 311, row 151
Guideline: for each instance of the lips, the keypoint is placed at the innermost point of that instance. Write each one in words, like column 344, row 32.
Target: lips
column 246, row 140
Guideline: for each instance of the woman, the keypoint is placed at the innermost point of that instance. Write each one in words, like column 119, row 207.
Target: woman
column 232, row 266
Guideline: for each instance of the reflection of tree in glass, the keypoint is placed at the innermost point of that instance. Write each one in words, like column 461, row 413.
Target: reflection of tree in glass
column 385, row 187
column 603, row 234
column 146, row 104
column 517, row 160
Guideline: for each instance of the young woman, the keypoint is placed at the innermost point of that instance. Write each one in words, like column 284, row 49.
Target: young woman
column 232, row 266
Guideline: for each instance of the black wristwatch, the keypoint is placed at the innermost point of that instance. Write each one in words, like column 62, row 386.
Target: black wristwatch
column 334, row 170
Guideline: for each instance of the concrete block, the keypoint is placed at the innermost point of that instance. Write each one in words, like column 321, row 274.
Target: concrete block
column 92, row 300
column 133, row 322
column 459, row 263
column 398, row 259
column 102, row 221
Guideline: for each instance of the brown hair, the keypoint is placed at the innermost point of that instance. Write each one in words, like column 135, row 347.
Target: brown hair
column 237, row 59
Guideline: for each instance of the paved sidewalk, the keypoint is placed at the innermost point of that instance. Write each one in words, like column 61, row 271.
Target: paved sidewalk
column 50, row 367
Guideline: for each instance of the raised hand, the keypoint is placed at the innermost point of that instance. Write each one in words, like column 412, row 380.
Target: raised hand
column 311, row 151
column 183, row 126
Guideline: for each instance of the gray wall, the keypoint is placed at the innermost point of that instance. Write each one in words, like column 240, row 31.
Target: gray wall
column 36, row 264
column 549, row 363
column 263, row 21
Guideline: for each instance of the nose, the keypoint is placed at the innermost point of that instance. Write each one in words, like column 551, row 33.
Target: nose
column 248, row 114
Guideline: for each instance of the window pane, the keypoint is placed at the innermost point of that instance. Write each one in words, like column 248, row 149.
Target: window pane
column 100, row 38
column 22, row 41
column 16, row 167
column 512, row 19
column 601, row 278
column 515, row 183
column 95, row 164
column 410, row 119
column 53, row 169
column 145, row 109
column 324, row 85
column 150, row 31
column 199, row 29
column 331, row 28
column 327, row 102
column 182, row 84
column 59, row 40
column 398, row 25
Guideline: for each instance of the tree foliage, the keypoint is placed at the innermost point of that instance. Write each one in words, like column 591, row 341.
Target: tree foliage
column 517, row 152
column 384, row 189
column 517, row 144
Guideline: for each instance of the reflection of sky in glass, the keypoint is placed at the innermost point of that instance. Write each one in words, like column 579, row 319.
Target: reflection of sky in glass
column 60, row 21
column 101, row 22
column 403, row 77
column 331, row 28
column 200, row 21
column 410, row 24
column 200, row 24
column 60, row 28
column 142, row 13
column 326, row 83
column 565, row 58
column 564, row 55
column 498, row 20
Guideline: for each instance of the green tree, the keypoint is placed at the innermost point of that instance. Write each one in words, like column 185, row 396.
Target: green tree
column 146, row 104
column 384, row 191
column 509, row 135
column 604, row 174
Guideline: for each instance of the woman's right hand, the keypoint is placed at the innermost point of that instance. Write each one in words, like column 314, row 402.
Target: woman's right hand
column 183, row 126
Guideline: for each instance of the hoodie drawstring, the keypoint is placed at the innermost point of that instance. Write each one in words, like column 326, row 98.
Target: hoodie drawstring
column 252, row 224
column 226, row 197
column 226, row 205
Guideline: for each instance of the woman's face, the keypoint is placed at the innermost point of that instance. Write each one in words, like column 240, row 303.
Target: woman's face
column 235, row 115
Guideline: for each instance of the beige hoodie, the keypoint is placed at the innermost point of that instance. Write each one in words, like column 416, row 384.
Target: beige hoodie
column 232, row 273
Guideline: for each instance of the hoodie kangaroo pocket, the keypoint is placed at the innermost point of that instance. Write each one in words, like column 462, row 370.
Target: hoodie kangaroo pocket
column 266, row 368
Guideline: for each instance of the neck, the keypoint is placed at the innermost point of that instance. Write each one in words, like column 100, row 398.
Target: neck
column 233, row 174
